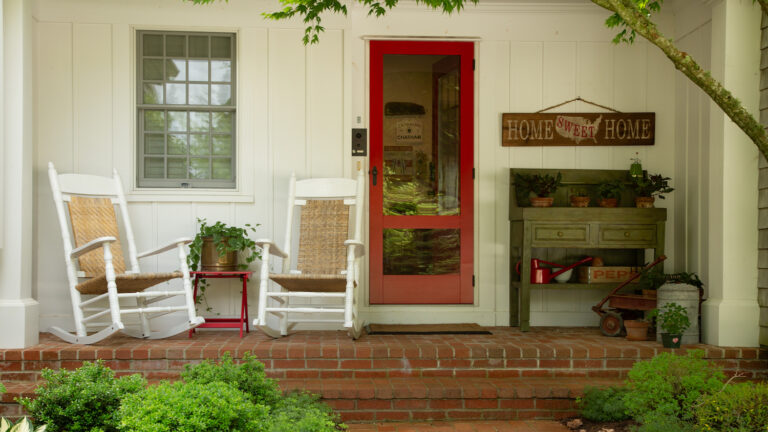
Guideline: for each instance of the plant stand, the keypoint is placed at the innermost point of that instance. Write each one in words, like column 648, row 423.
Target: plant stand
column 226, row 322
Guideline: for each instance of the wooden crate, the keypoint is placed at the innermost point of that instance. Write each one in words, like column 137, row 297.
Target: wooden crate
column 612, row 274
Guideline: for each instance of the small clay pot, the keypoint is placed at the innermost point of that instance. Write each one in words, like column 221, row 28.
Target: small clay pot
column 542, row 201
column 644, row 202
column 608, row 202
column 636, row 330
column 579, row 201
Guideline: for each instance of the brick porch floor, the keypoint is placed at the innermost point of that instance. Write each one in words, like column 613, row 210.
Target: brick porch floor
column 508, row 375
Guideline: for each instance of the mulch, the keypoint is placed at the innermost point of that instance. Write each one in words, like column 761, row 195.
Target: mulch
column 590, row 426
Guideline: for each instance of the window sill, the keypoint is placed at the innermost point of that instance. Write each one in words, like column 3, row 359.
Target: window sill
column 188, row 195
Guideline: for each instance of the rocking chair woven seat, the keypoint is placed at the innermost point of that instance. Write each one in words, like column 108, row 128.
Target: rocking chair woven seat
column 326, row 262
column 126, row 283
column 85, row 205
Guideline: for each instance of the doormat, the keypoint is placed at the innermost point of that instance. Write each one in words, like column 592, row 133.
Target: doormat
column 425, row 329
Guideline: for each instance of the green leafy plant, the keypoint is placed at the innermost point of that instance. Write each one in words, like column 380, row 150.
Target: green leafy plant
column 669, row 386
column 672, row 318
column 248, row 377
column 610, row 189
column 304, row 412
column 741, row 407
column 192, row 407
column 651, row 185
column 23, row 425
column 227, row 239
column 543, row 185
column 603, row 404
column 81, row 400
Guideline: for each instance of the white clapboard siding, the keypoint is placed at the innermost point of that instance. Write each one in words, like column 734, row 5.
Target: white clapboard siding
column 296, row 106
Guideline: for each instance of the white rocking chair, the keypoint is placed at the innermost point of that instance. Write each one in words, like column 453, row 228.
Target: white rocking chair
column 90, row 201
column 326, row 259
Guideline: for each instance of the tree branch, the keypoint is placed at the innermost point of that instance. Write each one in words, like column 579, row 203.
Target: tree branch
column 732, row 107
column 764, row 6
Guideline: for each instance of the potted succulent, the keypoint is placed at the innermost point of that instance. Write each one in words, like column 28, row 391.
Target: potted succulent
column 673, row 320
column 216, row 248
column 610, row 193
column 580, row 198
column 648, row 187
column 541, row 185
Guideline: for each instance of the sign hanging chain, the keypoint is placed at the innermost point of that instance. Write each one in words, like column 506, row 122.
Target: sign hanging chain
column 578, row 98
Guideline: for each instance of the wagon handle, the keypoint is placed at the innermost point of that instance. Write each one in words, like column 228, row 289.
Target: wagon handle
column 598, row 308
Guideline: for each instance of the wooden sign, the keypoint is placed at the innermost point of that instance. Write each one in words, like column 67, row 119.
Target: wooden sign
column 577, row 129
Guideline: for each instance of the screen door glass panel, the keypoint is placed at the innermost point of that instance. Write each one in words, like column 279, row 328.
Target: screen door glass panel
column 421, row 135
column 421, row 251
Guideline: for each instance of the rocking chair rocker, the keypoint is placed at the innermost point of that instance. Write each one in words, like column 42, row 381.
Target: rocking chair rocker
column 326, row 259
column 90, row 201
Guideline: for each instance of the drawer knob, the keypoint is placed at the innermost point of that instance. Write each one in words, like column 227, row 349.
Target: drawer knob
column 559, row 233
column 626, row 234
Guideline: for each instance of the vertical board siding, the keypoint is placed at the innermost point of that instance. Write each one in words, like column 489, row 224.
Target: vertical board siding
column 293, row 105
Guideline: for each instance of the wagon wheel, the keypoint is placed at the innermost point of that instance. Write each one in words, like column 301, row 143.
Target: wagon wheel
column 611, row 324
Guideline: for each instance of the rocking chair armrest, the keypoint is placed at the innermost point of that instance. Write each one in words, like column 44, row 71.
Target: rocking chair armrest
column 273, row 248
column 358, row 245
column 170, row 246
column 91, row 245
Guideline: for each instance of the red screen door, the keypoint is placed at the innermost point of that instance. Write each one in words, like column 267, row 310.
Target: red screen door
column 421, row 172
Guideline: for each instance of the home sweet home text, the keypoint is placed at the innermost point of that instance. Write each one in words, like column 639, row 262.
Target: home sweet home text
column 577, row 129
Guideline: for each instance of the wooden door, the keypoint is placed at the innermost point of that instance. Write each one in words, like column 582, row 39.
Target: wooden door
column 421, row 180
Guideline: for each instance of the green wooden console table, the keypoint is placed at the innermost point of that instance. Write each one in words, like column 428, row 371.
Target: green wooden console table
column 563, row 227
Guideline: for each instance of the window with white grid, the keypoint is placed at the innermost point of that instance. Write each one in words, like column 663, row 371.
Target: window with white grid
column 186, row 109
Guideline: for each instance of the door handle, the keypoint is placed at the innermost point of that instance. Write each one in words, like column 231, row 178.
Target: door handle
column 374, row 173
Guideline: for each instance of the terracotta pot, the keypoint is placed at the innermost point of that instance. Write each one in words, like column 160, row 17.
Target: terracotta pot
column 211, row 261
column 670, row 340
column 579, row 201
column 542, row 201
column 644, row 202
column 636, row 330
column 609, row 202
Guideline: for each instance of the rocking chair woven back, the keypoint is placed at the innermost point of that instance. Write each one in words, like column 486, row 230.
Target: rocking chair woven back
column 92, row 218
column 323, row 229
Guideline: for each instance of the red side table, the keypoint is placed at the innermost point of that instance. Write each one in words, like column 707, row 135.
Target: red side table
column 226, row 322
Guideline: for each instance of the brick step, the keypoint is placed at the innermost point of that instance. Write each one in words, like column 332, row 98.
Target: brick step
column 422, row 399
column 463, row 426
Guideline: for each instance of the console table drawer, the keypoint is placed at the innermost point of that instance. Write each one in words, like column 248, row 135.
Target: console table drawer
column 642, row 235
column 573, row 234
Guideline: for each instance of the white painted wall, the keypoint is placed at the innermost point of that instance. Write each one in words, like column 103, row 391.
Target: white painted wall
column 298, row 104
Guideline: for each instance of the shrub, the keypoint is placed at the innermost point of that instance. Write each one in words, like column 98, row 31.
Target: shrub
column 81, row 400
column 656, row 422
column 740, row 407
column 603, row 404
column 302, row 412
column 248, row 377
column 192, row 407
column 670, row 386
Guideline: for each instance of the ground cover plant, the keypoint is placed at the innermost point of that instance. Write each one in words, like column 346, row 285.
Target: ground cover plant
column 212, row 396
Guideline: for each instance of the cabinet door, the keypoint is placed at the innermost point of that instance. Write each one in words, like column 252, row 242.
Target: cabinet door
column 627, row 235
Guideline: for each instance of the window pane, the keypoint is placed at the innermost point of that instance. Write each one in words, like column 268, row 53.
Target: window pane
column 176, row 94
column 198, row 70
column 153, row 167
column 177, row 121
column 222, row 169
column 177, row 144
column 198, row 46
column 153, row 69
column 154, row 121
column 222, row 145
column 177, row 168
column 198, row 94
column 198, row 145
column 153, row 45
column 199, row 121
column 154, row 144
column 199, row 169
column 176, row 70
column 222, row 122
column 421, row 251
column 153, row 94
column 175, row 46
column 221, row 47
column 221, row 71
column 221, row 94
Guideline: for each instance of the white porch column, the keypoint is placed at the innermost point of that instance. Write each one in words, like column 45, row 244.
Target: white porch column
column 18, row 310
column 731, row 314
